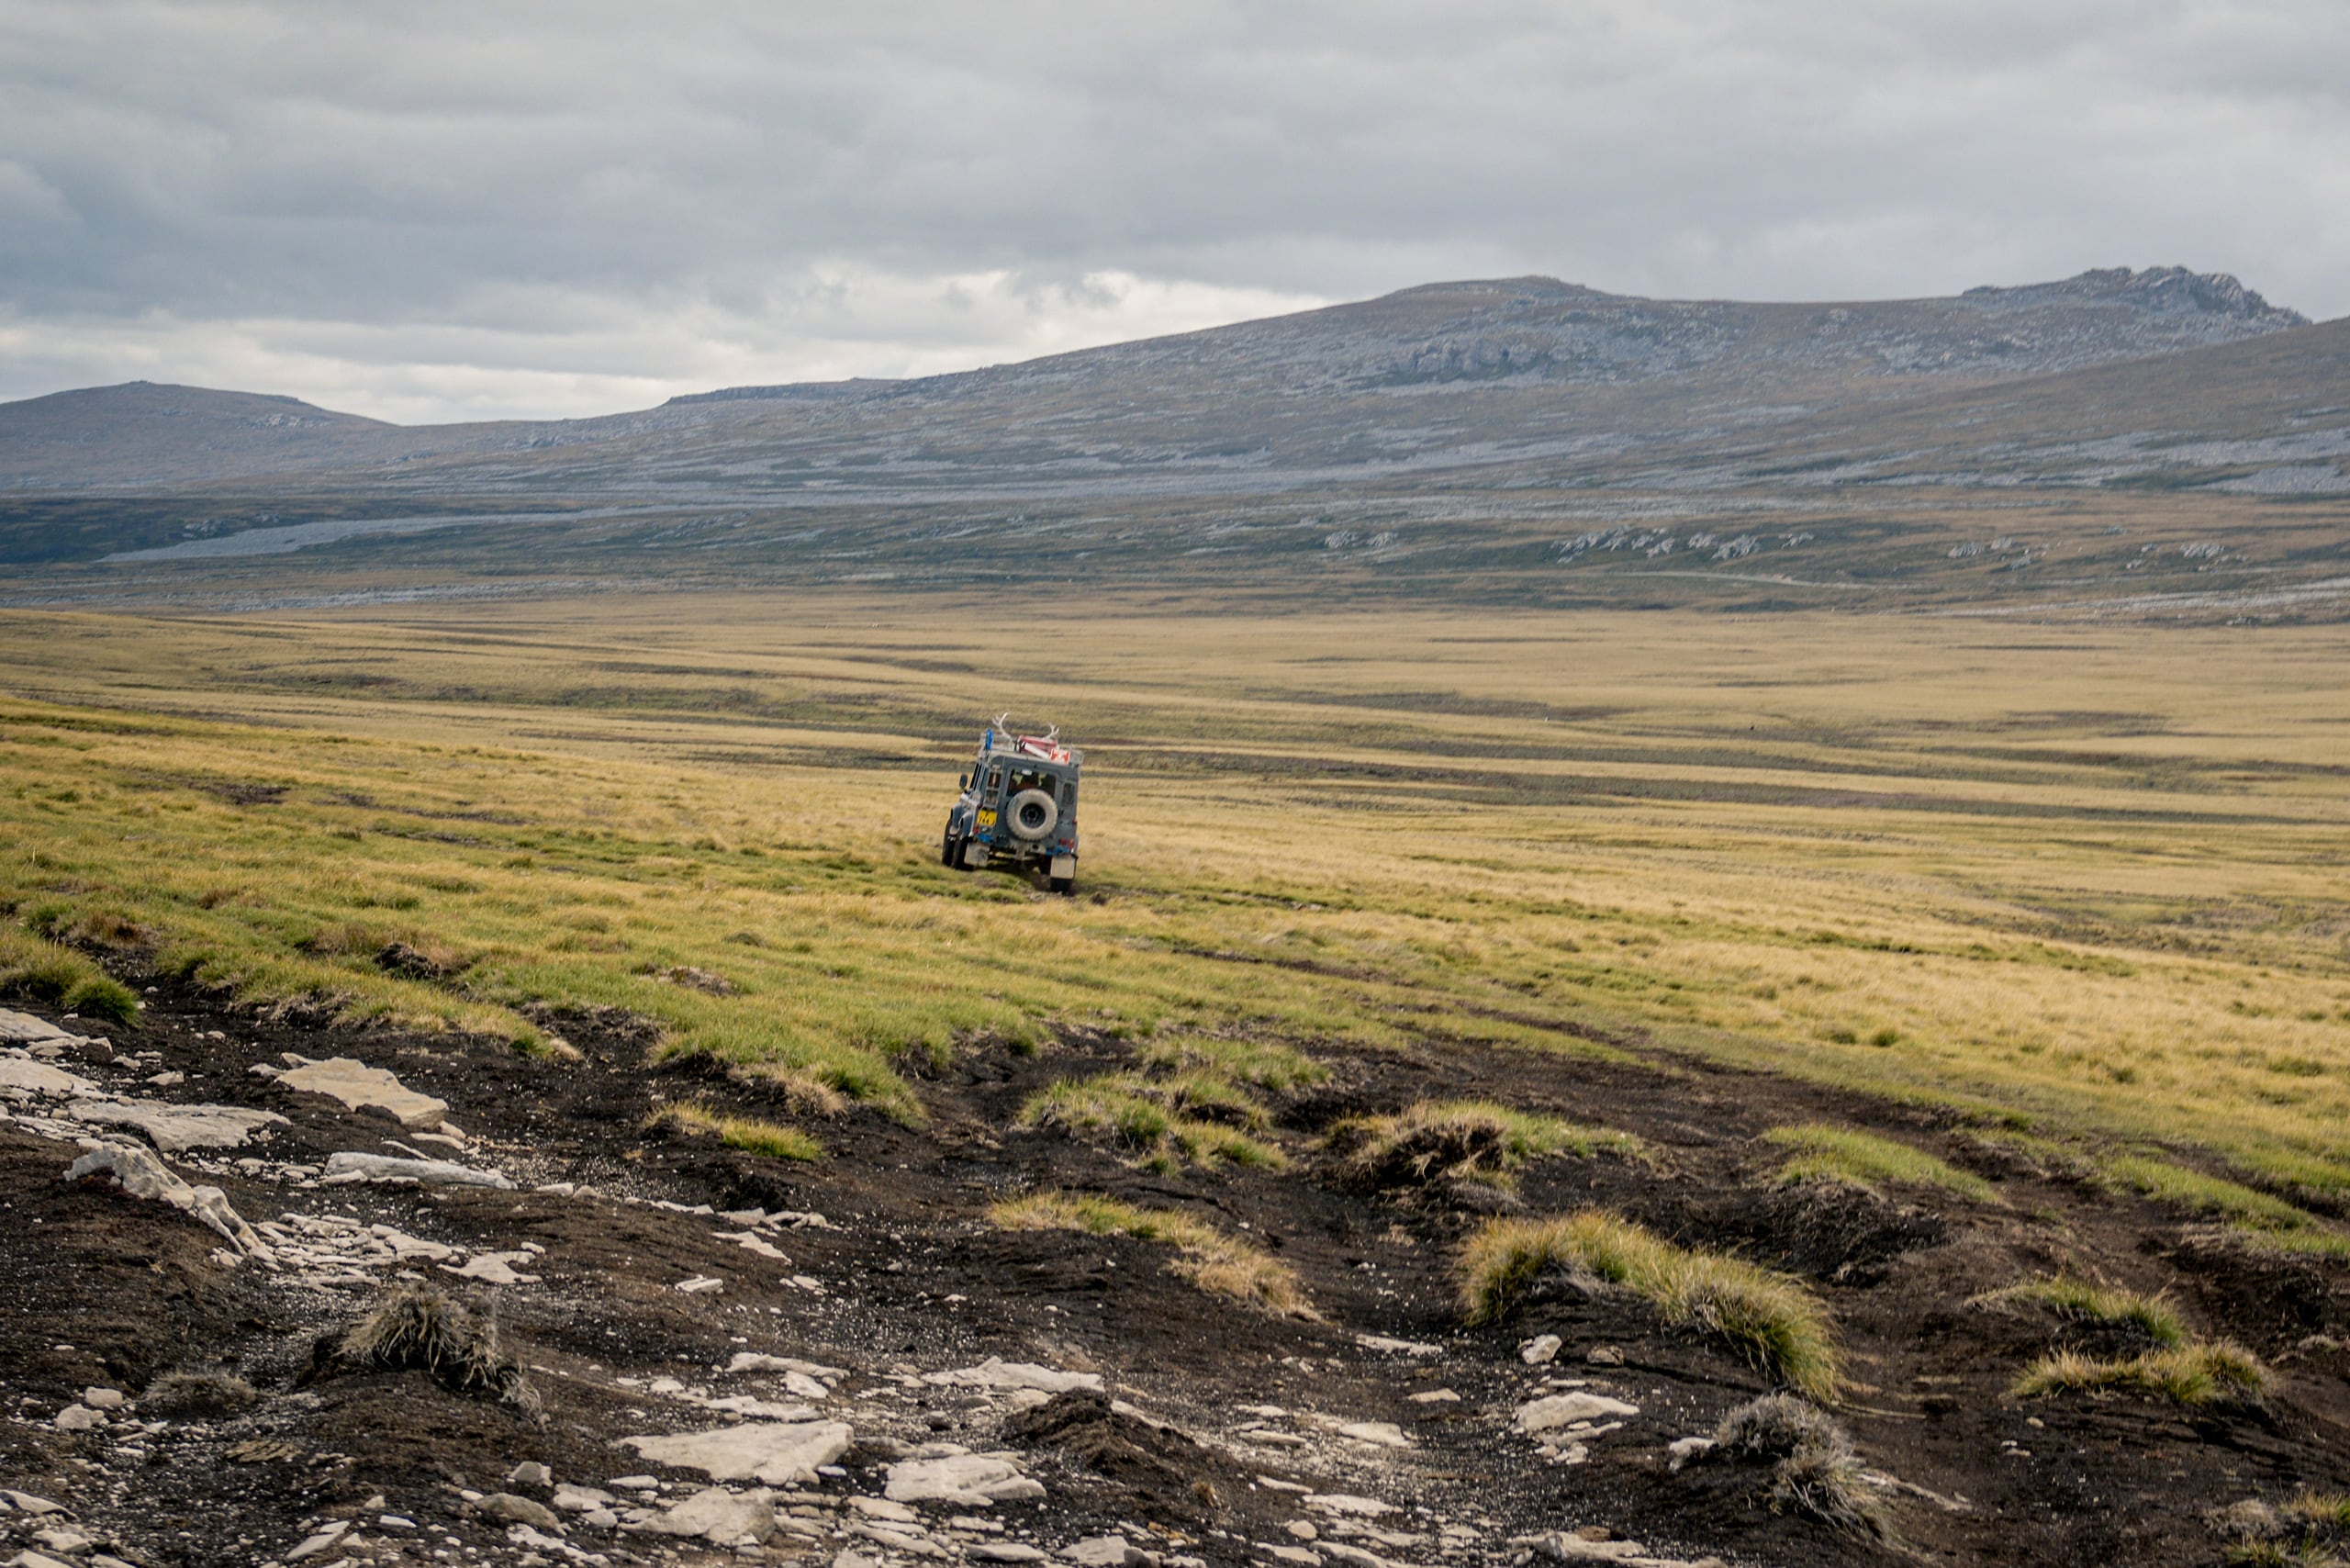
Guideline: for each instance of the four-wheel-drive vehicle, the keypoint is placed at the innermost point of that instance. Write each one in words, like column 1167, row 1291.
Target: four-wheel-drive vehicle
column 1018, row 809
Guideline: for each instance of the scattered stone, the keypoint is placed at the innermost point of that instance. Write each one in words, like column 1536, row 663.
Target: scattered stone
column 530, row 1473
column 1539, row 1350
column 1684, row 1449
column 1397, row 1347
column 394, row 1521
column 1434, row 1397
column 997, row 1372
column 23, row 1029
column 25, row 1502
column 358, row 1087
column 352, row 1166
column 142, row 1175
column 571, row 1499
column 77, row 1419
column 700, row 1285
column 1004, row 1551
column 103, row 1398
column 1603, row 1356
column 319, row 1542
column 1109, row 1551
column 779, row 1453
column 719, row 1517
column 1561, row 1409
column 36, row 1560
column 493, row 1269
column 968, row 1480
column 175, row 1129
column 1345, row 1502
column 509, row 1508
column 39, row 1078
column 1304, row 1529
column 64, row 1541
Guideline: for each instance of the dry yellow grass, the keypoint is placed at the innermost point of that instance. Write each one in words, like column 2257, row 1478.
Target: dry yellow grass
column 1216, row 1262
column 2082, row 876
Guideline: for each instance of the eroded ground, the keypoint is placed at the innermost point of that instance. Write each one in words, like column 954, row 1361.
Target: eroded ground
column 869, row 1291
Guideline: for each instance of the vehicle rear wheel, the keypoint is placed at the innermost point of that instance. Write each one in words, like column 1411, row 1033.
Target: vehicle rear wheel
column 950, row 849
column 1061, row 884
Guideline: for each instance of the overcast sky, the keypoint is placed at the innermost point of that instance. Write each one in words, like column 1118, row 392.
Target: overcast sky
column 425, row 211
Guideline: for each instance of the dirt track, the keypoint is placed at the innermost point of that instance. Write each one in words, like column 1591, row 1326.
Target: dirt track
column 902, row 1281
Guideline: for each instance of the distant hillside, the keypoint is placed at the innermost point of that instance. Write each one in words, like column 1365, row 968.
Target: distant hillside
column 1346, row 389
column 2118, row 442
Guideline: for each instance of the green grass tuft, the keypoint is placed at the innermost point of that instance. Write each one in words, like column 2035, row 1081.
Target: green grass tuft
column 1864, row 1159
column 1152, row 1118
column 1214, row 1261
column 1472, row 1140
column 747, row 1133
column 2191, row 1375
column 2080, row 1301
column 1768, row 1317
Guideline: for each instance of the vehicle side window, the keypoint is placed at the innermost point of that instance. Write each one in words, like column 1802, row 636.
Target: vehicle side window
column 995, row 781
column 1068, row 794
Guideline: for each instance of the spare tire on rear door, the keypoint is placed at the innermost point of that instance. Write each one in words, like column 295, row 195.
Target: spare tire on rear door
column 1031, row 814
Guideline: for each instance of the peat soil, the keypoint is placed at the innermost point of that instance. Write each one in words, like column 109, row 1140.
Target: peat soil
column 1218, row 1434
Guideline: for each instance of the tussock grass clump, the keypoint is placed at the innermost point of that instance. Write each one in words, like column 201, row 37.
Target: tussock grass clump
column 198, row 1393
column 420, row 1327
column 1263, row 1064
column 2265, row 1219
column 1864, row 1159
column 61, row 975
column 1768, row 1317
column 1166, row 1122
column 1214, row 1261
column 1463, row 1140
column 1813, row 1468
column 2191, row 1375
column 801, row 1089
column 747, row 1133
column 2081, row 1301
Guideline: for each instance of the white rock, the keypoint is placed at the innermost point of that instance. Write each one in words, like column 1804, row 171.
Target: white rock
column 1384, row 1434
column 1353, row 1556
column 882, row 1508
column 719, row 1517
column 700, row 1285
column 530, row 1473
column 1684, row 1449
column 1434, row 1397
column 1559, row 1409
column 570, row 1499
column 103, row 1398
column 142, row 1175
column 39, row 1078
column 36, row 1560
column 23, row 1029
column 807, row 1387
column 1004, row 1551
column 175, row 1129
column 1539, row 1350
column 997, row 1372
column 968, row 1480
column 493, row 1269
column 779, row 1454
column 319, row 1542
column 1397, row 1347
column 1305, row 1557
column 1346, row 1503
column 754, row 1244
column 1109, row 1551
column 358, row 1087
column 756, row 1361
column 26, row 1503
column 764, row 1409
column 352, row 1166
column 1561, row 1546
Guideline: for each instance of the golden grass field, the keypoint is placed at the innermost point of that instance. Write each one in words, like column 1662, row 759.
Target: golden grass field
column 2082, row 882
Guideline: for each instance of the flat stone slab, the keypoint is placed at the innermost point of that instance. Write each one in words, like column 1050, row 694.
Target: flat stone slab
column 177, row 1128
column 969, row 1480
column 358, row 1087
column 138, row 1173
column 1563, row 1409
column 39, row 1077
column 997, row 1372
column 23, row 1029
column 780, row 1453
column 719, row 1517
column 353, row 1166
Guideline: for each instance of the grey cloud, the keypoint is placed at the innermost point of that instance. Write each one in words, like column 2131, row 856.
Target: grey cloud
column 509, row 187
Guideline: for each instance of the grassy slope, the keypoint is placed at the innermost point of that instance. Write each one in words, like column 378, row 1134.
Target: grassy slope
column 2087, row 874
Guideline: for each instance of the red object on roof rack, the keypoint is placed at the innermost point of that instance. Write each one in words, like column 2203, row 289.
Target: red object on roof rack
column 1046, row 748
